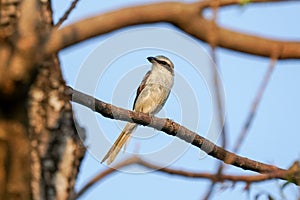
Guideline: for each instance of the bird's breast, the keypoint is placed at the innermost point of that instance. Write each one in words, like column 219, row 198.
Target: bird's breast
column 161, row 77
column 155, row 93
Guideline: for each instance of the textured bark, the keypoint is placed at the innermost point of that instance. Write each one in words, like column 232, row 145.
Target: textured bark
column 14, row 143
column 40, row 150
column 14, row 160
column 56, row 147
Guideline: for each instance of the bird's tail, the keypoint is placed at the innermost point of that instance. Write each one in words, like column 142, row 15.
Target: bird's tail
column 119, row 143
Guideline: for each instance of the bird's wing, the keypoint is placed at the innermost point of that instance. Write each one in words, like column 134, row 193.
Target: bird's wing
column 141, row 87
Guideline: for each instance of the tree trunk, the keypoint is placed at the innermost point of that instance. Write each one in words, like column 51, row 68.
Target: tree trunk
column 40, row 150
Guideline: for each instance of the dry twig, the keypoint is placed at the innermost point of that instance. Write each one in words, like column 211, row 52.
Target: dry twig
column 136, row 160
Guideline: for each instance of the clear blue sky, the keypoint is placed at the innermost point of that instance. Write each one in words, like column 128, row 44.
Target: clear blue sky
column 273, row 138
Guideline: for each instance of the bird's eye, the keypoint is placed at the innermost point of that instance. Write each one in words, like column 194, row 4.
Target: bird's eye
column 163, row 62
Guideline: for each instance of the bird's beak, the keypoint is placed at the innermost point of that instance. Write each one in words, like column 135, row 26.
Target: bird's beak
column 151, row 59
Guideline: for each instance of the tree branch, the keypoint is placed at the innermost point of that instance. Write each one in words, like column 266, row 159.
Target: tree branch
column 66, row 14
column 136, row 160
column 175, row 129
column 224, row 3
column 252, row 113
column 186, row 16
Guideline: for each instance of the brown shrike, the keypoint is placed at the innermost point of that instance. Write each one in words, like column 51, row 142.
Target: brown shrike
column 150, row 97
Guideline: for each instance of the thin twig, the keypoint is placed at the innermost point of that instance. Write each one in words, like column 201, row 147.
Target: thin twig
column 221, row 123
column 66, row 14
column 105, row 173
column 250, row 117
column 254, row 105
column 136, row 160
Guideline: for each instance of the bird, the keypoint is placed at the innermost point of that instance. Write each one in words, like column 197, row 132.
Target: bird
column 151, row 96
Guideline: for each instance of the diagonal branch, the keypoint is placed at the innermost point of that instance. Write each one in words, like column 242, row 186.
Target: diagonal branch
column 174, row 129
column 186, row 16
column 202, row 175
column 255, row 103
column 66, row 14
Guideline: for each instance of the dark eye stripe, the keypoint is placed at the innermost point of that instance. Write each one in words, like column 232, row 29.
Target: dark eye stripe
column 165, row 65
column 162, row 62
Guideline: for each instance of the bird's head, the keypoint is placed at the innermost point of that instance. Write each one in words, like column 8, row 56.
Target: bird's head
column 162, row 61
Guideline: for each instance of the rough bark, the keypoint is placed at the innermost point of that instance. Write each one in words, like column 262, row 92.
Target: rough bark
column 40, row 150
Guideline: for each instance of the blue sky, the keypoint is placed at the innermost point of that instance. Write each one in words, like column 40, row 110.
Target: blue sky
column 273, row 138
